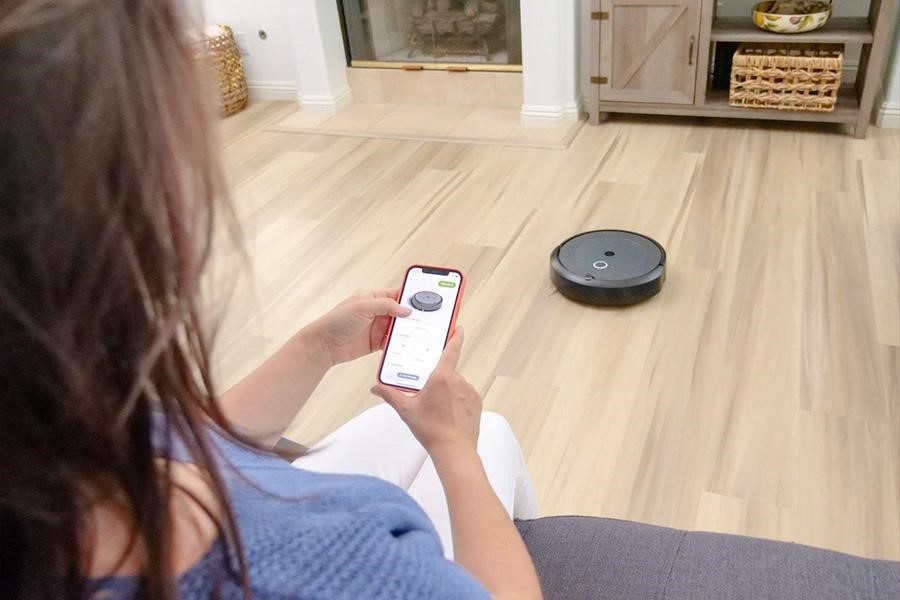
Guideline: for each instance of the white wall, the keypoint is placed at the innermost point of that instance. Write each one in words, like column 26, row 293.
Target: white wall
column 889, row 110
column 550, row 50
column 319, row 55
column 270, row 66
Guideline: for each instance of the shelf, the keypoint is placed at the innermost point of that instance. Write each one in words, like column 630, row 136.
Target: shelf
column 717, row 105
column 838, row 30
column 845, row 112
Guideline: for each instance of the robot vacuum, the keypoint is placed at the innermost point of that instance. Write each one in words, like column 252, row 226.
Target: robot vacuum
column 608, row 267
column 426, row 301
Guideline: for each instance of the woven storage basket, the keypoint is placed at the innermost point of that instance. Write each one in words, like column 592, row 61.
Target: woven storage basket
column 786, row 76
column 223, row 55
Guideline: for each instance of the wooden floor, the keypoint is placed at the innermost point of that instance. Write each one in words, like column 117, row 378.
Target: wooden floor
column 430, row 123
column 759, row 393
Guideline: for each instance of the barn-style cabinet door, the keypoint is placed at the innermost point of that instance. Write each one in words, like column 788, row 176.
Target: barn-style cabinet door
column 648, row 50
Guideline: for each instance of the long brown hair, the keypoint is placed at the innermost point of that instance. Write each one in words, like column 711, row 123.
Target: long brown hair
column 107, row 184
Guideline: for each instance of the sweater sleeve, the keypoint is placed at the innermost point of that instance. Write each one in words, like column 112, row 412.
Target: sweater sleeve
column 313, row 535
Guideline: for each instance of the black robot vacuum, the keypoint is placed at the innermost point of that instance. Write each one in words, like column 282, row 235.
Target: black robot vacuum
column 608, row 267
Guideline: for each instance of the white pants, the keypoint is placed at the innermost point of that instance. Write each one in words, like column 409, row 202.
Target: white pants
column 378, row 443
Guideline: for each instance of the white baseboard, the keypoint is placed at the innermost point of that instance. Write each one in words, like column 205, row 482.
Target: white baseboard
column 888, row 115
column 273, row 90
column 554, row 114
column 287, row 90
column 325, row 102
column 574, row 108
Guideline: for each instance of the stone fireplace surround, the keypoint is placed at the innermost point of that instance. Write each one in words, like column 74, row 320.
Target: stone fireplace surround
column 549, row 79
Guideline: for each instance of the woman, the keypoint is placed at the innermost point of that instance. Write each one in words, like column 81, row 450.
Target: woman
column 124, row 474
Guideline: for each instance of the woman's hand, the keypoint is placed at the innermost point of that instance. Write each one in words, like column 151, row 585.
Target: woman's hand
column 444, row 416
column 265, row 402
column 356, row 326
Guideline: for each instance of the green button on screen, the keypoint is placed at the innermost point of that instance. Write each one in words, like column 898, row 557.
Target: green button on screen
column 449, row 284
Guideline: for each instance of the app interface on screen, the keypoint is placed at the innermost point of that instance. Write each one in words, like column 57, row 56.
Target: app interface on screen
column 417, row 341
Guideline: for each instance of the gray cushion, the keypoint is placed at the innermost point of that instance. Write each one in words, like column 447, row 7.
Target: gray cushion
column 587, row 558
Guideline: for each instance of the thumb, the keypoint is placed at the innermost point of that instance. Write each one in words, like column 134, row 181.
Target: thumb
column 393, row 397
column 450, row 357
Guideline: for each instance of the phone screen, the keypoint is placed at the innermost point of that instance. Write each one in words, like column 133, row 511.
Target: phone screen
column 417, row 341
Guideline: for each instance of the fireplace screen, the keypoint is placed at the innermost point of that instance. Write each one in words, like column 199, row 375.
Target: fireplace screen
column 473, row 32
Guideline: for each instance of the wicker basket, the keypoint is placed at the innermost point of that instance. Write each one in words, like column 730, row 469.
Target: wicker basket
column 223, row 55
column 786, row 77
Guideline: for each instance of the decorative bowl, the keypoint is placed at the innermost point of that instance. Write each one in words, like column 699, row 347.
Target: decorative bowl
column 809, row 16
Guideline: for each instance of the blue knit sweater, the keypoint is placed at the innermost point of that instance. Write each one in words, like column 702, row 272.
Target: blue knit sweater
column 317, row 536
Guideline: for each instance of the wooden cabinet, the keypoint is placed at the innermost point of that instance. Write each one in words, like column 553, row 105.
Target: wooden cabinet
column 653, row 57
column 648, row 50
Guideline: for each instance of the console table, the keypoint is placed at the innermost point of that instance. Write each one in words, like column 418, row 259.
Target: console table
column 653, row 57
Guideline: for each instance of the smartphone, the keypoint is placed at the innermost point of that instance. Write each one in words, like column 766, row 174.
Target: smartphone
column 415, row 343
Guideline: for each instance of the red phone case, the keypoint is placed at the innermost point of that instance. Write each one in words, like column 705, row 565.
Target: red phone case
column 387, row 338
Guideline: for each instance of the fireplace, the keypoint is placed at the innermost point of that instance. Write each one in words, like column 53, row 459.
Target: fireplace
column 450, row 34
column 535, row 39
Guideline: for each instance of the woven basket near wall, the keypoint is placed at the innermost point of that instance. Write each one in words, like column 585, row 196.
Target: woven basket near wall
column 224, row 56
column 786, row 76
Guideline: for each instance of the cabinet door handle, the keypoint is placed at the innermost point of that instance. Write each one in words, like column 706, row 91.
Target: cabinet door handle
column 691, row 51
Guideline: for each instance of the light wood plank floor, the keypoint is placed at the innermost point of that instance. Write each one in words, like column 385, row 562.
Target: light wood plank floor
column 759, row 393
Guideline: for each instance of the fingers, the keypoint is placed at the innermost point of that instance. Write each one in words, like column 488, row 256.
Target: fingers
column 393, row 397
column 450, row 357
column 379, row 307
column 387, row 293
column 382, row 293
